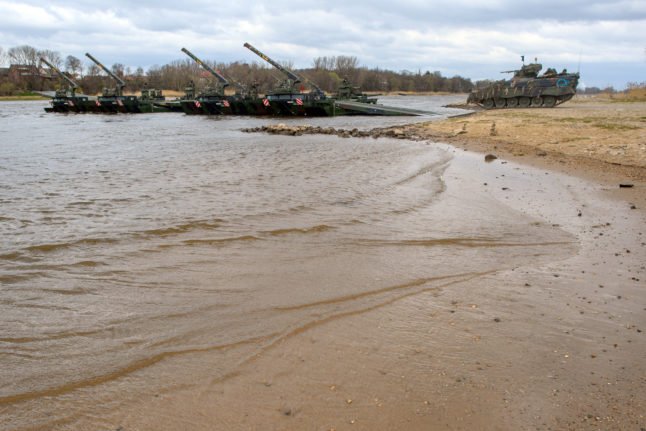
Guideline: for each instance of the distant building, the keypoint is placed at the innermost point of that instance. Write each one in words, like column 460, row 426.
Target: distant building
column 24, row 76
column 19, row 72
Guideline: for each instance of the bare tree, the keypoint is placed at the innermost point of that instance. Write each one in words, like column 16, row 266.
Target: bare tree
column 24, row 54
column 53, row 57
column 73, row 65
column 118, row 69
column 324, row 63
column 346, row 63
column 93, row 70
column 2, row 56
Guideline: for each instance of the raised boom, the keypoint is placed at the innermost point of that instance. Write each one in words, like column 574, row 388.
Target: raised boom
column 72, row 84
column 291, row 75
column 120, row 83
column 221, row 78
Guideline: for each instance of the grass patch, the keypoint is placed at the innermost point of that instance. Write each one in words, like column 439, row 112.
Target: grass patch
column 586, row 120
column 574, row 139
column 634, row 95
column 32, row 97
column 25, row 96
column 615, row 126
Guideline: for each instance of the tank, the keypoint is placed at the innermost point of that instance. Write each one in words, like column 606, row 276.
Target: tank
column 528, row 89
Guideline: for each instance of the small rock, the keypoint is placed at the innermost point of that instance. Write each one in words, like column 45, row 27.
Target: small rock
column 490, row 157
column 625, row 185
column 496, row 319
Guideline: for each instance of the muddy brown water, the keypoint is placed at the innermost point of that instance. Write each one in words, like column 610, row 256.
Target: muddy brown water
column 144, row 254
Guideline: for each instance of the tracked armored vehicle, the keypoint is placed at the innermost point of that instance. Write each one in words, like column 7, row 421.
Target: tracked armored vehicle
column 528, row 89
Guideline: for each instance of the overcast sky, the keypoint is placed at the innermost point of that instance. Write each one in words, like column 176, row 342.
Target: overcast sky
column 477, row 40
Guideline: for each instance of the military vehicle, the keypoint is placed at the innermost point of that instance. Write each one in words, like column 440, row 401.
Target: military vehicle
column 527, row 89
column 65, row 99
column 114, row 101
column 213, row 100
column 347, row 91
column 153, row 100
column 286, row 100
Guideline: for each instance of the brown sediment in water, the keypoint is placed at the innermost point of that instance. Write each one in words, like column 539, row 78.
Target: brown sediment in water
column 549, row 346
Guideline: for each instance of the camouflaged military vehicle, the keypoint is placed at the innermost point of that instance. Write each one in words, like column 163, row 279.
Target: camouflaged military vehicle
column 65, row 99
column 528, row 89
column 113, row 101
column 347, row 91
column 288, row 100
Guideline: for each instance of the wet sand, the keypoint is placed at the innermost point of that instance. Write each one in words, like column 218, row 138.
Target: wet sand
column 547, row 346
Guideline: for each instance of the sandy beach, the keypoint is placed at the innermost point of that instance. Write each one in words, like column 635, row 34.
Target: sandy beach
column 550, row 346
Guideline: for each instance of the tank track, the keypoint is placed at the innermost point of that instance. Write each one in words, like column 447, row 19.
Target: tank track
column 523, row 102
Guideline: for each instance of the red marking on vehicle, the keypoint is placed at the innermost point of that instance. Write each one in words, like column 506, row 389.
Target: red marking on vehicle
column 97, row 103
column 299, row 102
column 226, row 103
column 198, row 104
column 265, row 102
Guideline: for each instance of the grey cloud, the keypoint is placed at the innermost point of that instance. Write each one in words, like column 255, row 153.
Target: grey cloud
column 455, row 37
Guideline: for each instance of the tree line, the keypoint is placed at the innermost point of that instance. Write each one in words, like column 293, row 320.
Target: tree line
column 326, row 72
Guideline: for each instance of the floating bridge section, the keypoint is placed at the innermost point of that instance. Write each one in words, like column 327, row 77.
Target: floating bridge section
column 359, row 108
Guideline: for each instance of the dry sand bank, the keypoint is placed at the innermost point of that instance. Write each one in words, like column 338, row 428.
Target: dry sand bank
column 594, row 133
column 539, row 347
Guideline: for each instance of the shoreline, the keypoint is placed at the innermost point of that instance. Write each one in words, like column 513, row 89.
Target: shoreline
column 596, row 139
column 555, row 345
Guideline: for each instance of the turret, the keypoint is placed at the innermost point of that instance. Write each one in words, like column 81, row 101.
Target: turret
column 526, row 71
column 73, row 85
column 120, row 83
column 291, row 75
column 208, row 68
